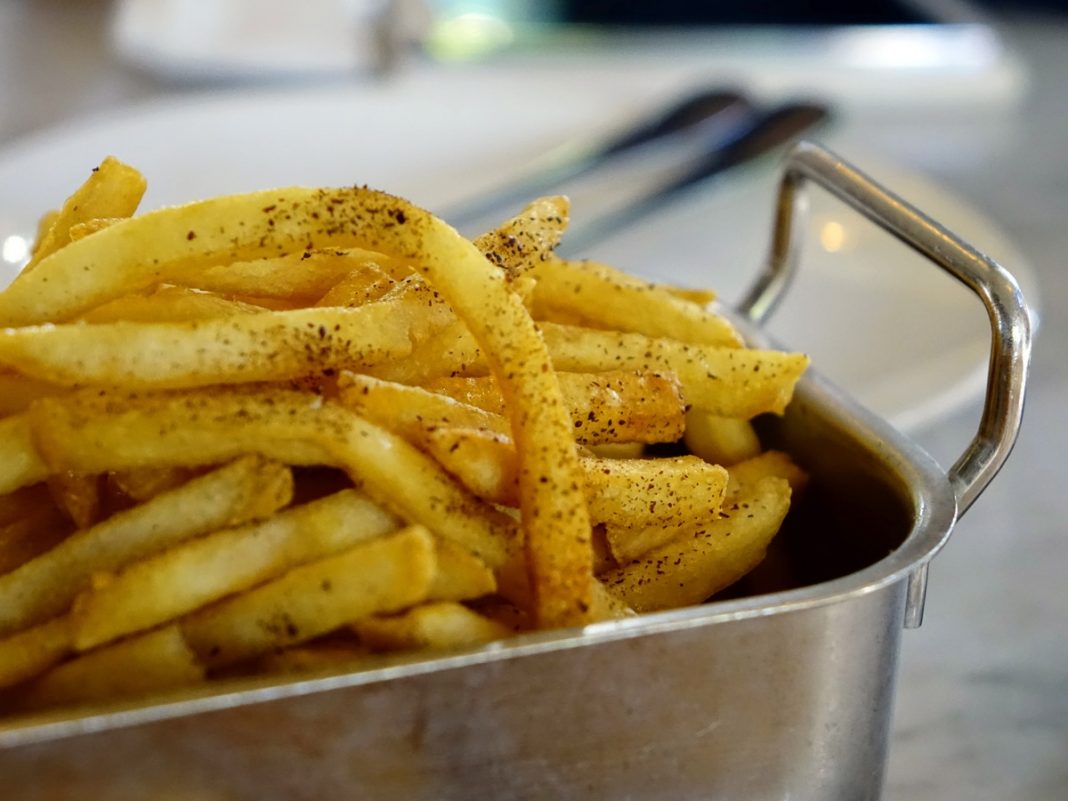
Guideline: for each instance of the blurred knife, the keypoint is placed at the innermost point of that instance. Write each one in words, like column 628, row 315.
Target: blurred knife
column 762, row 134
column 713, row 113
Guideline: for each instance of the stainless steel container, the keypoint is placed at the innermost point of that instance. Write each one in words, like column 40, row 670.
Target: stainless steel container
column 785, row 693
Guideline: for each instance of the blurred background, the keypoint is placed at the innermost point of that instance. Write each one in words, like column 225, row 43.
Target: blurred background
column 959, row 107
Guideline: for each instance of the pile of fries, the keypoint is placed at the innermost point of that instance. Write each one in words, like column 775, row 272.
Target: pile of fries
column 297, row 428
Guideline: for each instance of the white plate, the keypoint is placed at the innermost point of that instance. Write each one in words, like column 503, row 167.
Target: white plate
column 901, row 337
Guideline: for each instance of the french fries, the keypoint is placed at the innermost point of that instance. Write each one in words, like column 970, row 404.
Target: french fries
column 246, row 489
column 169, row 584
column 112, row 190
column 288, row 430
column 607, row 298
column 686, row 571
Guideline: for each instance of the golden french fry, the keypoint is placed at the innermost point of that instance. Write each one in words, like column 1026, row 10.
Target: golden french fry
column 89, row 227
column 246, row 489
column 744, row 476
column 641, row 500
column 384, row 575
column 460, row 575
column 21, row 465
column 665, row 491
column 730, row 382
column 113, row 189
column 526, row 239
column 363, row 285
column 613, row 406
column 618, row 450
column 167, row 585
column 441, row 624
column 44, row 224
column 646, row 502
column 152, row 662
column 609, row 298
column 689, row 570
column 33, row 651
column 235, row 349
column 452, row 351
column 90, row 431
column 483, row 461
column 411, row 411
column 302, row 277
column 720, row 440
column 170, row 304
column 702, row 297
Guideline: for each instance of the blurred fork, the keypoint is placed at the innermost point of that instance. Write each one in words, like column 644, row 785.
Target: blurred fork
column 715, row 114
column 759, row 135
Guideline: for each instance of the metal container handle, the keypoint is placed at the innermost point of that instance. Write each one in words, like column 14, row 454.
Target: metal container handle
column 1010, row 322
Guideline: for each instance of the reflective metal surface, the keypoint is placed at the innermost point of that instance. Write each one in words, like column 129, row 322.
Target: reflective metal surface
column 1010, row 321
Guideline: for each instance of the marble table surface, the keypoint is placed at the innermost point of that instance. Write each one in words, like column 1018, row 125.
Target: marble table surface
column 982, row 708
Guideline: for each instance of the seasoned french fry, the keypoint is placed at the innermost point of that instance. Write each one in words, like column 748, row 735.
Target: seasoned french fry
column 689, row 570
column 451, row 352
column 89, row 227
column 642, row 500
column 411, row 411
column 667, row 491
column 720, row 440
column 702, row 297
column 613, row 406
column 113, row 189
column 301, row 277
column 91, row 431
column 21, row 465
column 608, row 298
column 459, row 575
column 44, row 224
column 169, row 304
column 33, row 651
column 246, row 489
column 730, row 382
column 442, row 624
column 384, row 575
column 363, row 285
column 234, row 349
column 166, row 585
column 744, row 476
column 528, row 238
column 484, row 462
column 725, row 381
column 152, row 662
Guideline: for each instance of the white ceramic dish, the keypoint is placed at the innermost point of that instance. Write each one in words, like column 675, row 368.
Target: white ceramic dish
column 897, row 334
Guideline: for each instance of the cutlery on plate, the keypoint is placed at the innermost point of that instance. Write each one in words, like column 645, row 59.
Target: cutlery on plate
column 715, row 113
column 760, row 135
